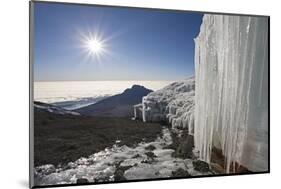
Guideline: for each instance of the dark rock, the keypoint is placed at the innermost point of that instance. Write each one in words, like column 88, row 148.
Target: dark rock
column 185, row 147
column 217, row 168
column 82, row 181
column 146, row 161
column 180, row 173
column 136, row 156
column 105, row 179
column 150, row 155
column 201, row 166
column 182, row 144
column 218, row 163
column 217, row 156
column 150, row 148
column 150, row 158
column 119, row 173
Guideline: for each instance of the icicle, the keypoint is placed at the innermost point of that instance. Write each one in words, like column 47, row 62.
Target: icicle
column 144, row 109
column 231, row 102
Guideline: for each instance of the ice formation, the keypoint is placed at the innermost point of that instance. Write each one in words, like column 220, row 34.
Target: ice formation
column 231, row 101
column 101, row 166
column 173, row 103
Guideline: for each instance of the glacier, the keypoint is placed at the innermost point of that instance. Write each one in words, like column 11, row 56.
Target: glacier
column 173, row 104
column 231, row 98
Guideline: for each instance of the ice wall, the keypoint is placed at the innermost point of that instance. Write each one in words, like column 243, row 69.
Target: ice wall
column 174, row 104
column 231, row 99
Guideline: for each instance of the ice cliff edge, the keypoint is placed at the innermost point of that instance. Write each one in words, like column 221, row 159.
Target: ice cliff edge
column 174, row 104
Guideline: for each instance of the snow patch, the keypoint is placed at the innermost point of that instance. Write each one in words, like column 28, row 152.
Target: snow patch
column 101, row 166
column 54, row 109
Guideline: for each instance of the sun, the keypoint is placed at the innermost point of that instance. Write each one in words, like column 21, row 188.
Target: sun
column 94, row 46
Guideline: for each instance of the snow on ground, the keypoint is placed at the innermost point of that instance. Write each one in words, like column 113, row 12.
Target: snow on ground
column 139, row 162
column 54, row 109
column 79, row 102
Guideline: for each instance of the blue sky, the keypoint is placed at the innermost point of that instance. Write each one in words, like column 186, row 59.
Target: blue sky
column 141, row 44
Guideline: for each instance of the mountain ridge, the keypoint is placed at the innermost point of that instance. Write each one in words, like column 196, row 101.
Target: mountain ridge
column 120, row 105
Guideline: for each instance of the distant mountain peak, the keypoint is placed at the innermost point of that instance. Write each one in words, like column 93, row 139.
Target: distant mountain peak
column 137, row 89
column 120, row 105
column 138, row 86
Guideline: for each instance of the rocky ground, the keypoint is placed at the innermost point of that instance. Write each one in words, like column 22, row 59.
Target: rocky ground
column 73, row 149
column 60, row 139
column 146, row 160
